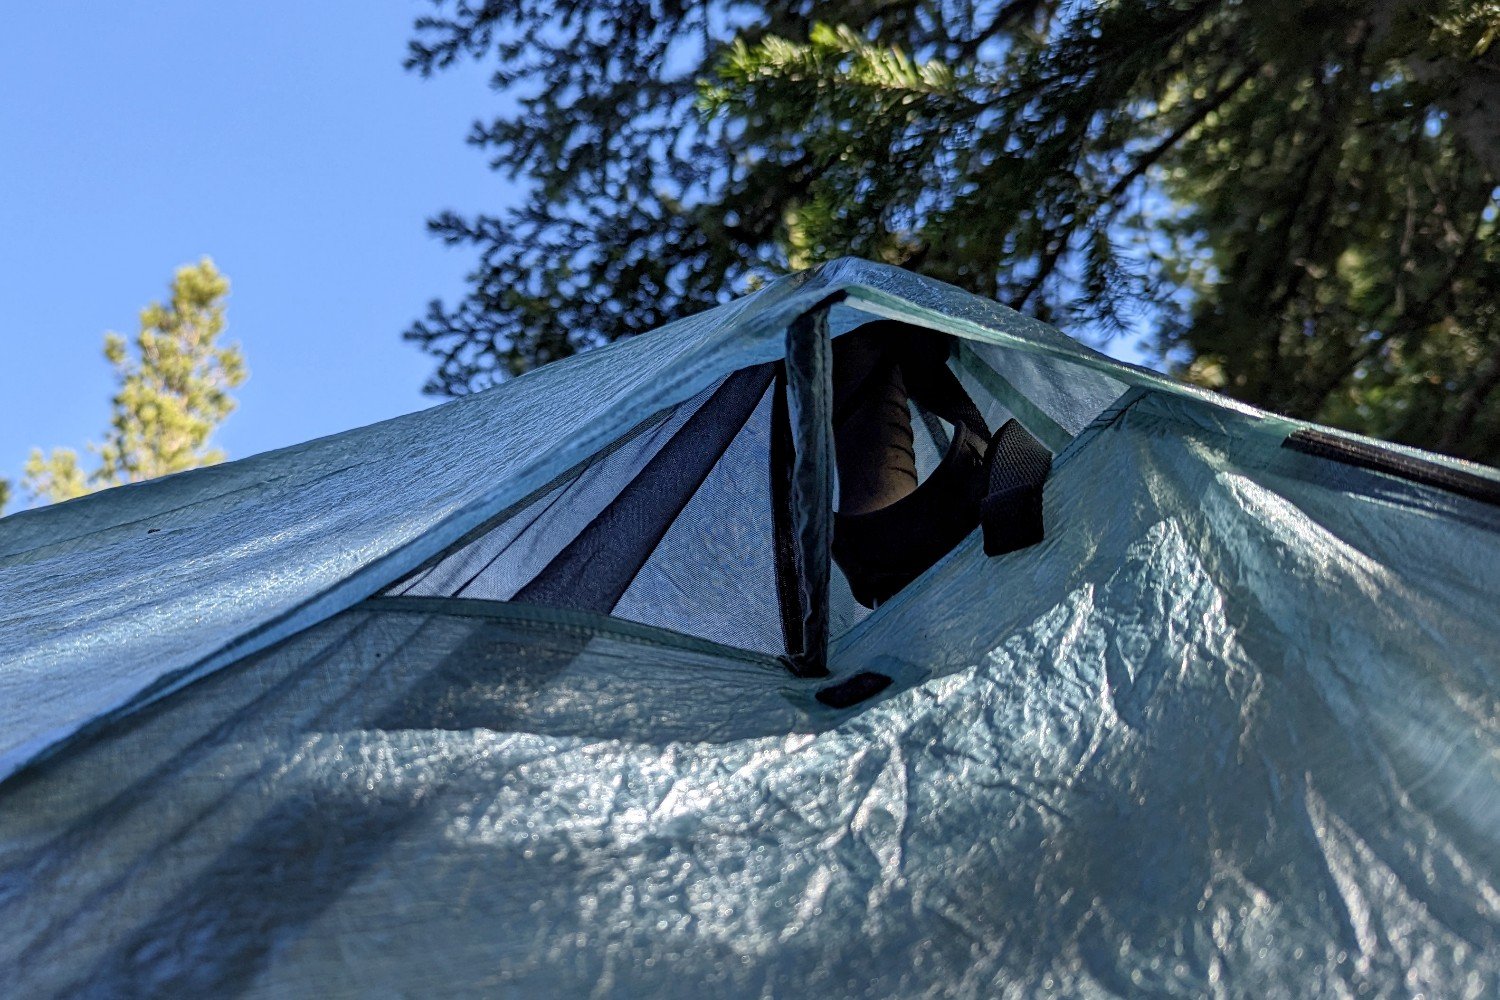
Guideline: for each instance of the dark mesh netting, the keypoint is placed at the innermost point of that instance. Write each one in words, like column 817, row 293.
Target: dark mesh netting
column 349, row 777
column 1229, row 729
column 672, row 527
column 711, row 572
column 714, row 572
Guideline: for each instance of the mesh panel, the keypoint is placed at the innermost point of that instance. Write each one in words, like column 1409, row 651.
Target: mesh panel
column 1054, row 399
column 502, row 560
column 995, row 412
column 187, row 850
column 714, row 573
column 930, row 438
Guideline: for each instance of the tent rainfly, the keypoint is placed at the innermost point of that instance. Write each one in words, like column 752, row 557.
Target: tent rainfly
column 555, row 689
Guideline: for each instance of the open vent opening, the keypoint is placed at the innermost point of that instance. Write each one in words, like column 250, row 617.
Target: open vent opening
column 676, row 525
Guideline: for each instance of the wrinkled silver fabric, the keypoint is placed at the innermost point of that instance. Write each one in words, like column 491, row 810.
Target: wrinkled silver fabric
column 112, row 600
column 1226, row 732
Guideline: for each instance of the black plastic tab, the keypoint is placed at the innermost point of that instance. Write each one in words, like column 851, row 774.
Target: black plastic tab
column 860, row 687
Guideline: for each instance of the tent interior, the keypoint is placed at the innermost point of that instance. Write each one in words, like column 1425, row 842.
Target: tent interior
column 520, row 695
column 674, row 524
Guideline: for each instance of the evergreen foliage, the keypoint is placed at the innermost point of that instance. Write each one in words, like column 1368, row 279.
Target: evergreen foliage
column 173, row 392
column 1297, row 197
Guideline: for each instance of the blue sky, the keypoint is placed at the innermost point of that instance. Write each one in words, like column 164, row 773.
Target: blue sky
column 284, row 140
column 281, row 138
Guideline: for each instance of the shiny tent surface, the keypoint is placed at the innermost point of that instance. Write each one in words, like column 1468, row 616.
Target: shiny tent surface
column 1231, row 729
column 108, row 601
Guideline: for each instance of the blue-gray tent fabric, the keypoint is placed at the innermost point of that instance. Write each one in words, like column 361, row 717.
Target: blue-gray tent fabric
column 1231, row 729
column 1228, row 731
column 113, row 600
column 504, row 556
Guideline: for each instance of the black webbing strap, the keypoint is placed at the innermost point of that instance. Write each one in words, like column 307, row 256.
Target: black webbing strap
column 1016, row 468
column 934, row 388
column 922, row 358
column 1016, row 464
column 941, row 439
column 594, row 570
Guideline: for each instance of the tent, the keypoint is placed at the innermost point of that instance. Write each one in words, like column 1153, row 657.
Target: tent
column 552, row 690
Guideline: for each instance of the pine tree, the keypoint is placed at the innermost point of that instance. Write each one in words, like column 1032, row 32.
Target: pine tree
column 173, row 391
column 54, row 477
column 1297, row 194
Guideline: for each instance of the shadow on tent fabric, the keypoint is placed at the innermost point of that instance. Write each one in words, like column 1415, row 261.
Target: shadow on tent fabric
column 216, row 781
column 311, row 846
